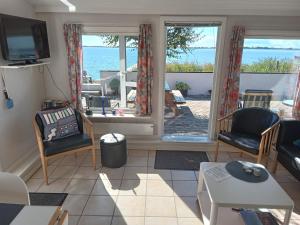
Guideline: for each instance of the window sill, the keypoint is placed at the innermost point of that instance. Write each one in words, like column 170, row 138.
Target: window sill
column 126, row 118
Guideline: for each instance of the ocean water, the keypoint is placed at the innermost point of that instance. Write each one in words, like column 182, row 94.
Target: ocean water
column 96, row 59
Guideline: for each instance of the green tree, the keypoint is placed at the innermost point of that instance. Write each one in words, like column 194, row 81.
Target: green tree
column 178, row 40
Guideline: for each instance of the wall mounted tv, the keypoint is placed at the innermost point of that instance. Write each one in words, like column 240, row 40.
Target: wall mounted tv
column 23, row 39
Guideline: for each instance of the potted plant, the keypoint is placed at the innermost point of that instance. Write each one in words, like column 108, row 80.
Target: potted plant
column 115, row 86
column 182, row 87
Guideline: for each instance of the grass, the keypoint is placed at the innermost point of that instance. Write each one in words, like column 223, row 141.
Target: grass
column 266, row 65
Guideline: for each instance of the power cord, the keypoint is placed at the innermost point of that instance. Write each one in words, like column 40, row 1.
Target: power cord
column 55, row 84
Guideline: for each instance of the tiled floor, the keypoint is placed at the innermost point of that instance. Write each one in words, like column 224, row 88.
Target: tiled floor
column 136, row 194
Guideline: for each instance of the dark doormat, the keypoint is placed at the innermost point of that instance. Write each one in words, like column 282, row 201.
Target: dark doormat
column 47, row 199
column 179, row 160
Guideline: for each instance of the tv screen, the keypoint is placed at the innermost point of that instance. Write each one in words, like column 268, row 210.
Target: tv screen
column 23, row 39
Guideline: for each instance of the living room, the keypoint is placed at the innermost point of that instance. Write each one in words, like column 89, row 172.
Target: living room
column 153, row 187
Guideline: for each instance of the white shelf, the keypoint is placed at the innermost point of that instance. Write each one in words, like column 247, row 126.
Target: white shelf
column 225, row 215
column 23, row 66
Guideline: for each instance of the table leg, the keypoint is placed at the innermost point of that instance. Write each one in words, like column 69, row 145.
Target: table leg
column 213, row 214
column 287, row 216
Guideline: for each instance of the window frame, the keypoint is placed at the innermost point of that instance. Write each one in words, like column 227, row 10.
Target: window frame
column 122, row 32
column 271, row 34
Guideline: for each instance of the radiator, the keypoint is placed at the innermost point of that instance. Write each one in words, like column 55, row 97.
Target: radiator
column 125, row 128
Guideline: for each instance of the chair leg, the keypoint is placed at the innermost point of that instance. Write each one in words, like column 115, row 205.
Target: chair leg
column 45, row 169
column 217, row 152
column 94, row 157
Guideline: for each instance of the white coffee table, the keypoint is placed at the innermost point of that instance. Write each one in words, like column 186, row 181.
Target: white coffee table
column 216, row 199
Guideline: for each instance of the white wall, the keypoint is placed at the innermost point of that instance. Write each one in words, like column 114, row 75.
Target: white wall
column 282, row 85
column 26, row 87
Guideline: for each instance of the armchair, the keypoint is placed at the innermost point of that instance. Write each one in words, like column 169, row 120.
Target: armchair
column 84, row 141
column 288, row 153
column 252, row 131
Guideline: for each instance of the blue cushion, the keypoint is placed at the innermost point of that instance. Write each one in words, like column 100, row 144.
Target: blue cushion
column 66, row 144
column 297, row 143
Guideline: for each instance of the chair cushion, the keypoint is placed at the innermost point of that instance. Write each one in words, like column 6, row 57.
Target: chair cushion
column 253, row 121
column 66, row 144
column 246, row 142
column 58, row 123
column 291, row 152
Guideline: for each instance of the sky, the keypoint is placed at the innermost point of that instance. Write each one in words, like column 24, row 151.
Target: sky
column 209, row 37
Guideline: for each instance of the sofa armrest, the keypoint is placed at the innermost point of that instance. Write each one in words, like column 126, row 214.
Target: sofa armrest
column 289, row 132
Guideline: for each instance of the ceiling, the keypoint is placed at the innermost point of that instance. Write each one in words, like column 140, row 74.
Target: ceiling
column 174, row 7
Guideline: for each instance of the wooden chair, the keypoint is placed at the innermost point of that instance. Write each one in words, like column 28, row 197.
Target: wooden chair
column 68, row 145
column 257, row 98
column 252, row 131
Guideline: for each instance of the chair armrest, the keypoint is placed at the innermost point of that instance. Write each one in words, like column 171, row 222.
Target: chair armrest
column 88, row 125
column 224, row 123
column 38, row 136
column 269, row 139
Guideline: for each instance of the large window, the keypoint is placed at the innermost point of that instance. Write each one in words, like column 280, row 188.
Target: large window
column 109, row 71
column 269, row 73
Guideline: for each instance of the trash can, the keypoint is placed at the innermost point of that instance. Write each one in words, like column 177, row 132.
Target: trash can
column 113, row 148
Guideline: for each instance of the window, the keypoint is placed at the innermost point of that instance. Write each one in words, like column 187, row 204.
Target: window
column 269, row 66
column 109, row 71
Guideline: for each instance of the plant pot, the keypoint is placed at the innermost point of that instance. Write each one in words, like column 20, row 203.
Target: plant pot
column 184, row 93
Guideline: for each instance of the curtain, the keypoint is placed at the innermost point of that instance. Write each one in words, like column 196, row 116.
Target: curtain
column 72, row 33
column 230, row 92
column 296, row 106
column 145, row 71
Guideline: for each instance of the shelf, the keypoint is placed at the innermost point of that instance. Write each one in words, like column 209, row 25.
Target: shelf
column 23, row 66
column 225, row 215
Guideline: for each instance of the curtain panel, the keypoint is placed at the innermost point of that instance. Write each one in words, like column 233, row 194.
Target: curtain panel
column 72, row 33
column 145, row 71
column 230, row 92
column 296, row 106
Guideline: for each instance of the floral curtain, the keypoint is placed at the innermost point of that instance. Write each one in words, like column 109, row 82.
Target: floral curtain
column 296, row 106
column 230, row 93
column 145, row 71
column 72, row 33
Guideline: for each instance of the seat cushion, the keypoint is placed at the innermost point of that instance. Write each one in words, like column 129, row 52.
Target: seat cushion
column 66, row 144
column 292, row 152
column 249, row 143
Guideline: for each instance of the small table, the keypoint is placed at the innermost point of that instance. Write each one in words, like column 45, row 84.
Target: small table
column 216, row 199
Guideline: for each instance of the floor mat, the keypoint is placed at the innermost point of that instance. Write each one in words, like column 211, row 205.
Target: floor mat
column 179, row 160
column 48, row 199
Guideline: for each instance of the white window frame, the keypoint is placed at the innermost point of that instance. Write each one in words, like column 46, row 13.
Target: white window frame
column 219, row 64
column 122, row 32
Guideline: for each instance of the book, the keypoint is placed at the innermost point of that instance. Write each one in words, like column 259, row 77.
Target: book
column 251, row 217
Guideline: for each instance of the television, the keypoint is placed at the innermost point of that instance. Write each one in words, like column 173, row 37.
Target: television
column 23, row 39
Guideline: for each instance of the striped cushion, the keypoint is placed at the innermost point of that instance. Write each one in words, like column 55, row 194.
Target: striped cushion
column 59, row 123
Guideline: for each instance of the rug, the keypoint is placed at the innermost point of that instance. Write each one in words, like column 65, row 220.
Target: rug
column 47, row 199
column 179, row 160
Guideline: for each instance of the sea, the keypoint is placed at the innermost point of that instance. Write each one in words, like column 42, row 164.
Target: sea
column 96, row 59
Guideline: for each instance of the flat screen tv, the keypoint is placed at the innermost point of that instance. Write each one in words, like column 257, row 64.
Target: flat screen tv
column 23, row 39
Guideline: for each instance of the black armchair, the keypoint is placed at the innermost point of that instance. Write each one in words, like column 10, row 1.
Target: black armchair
column 288, row 153
column 84, row 141
column 252, row 131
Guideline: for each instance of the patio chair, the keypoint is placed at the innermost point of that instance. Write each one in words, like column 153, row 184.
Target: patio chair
column 252, row 131
column 257, row 98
